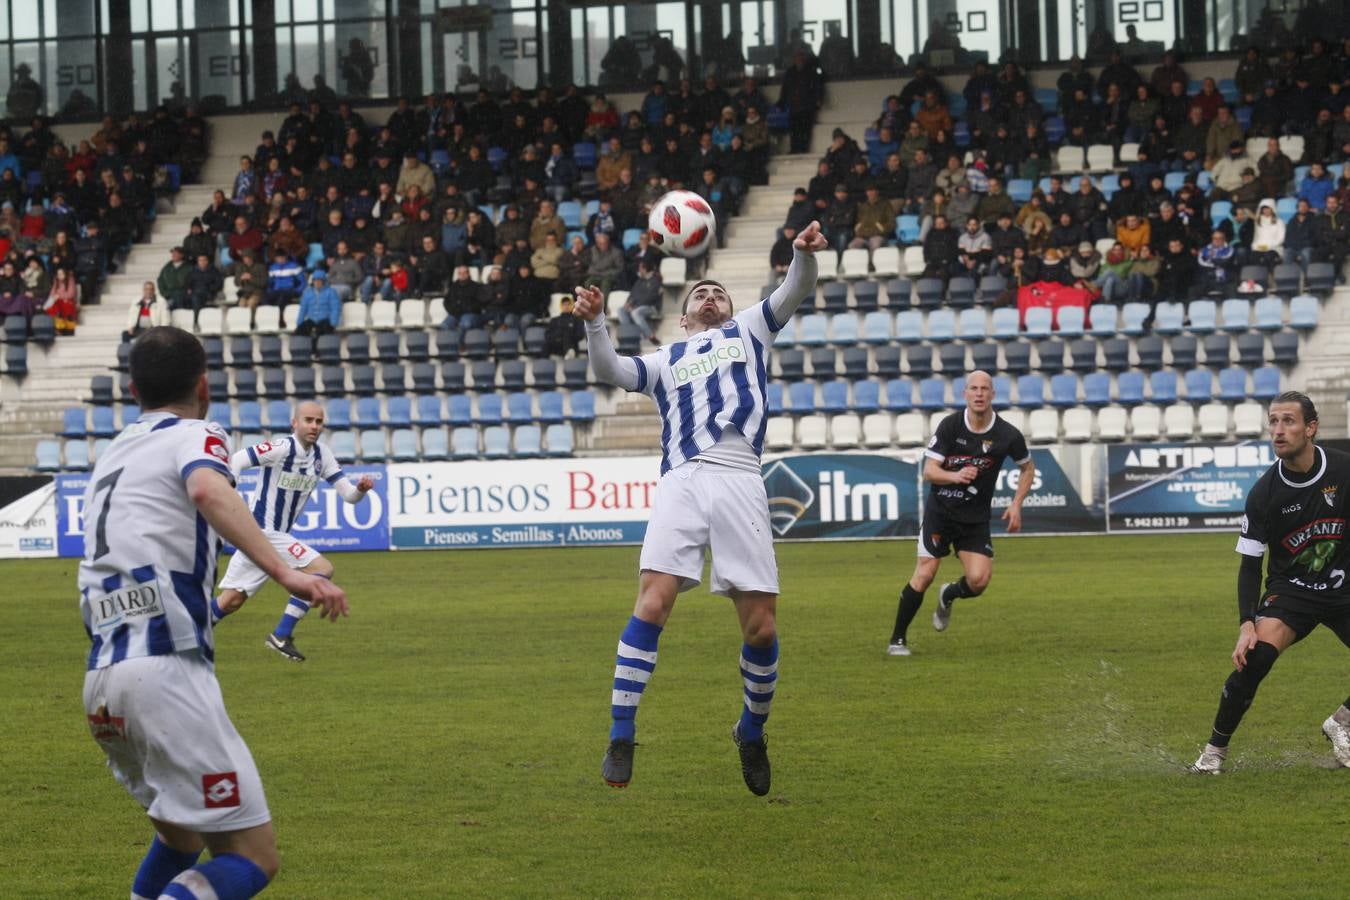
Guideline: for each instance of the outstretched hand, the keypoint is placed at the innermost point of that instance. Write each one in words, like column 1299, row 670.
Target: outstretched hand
column 590, row 302
column 810, row 240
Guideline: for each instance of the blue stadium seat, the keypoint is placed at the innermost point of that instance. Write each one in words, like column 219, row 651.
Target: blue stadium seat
column 529, row 441
column 631, row 236
column 1020, row 189
column 1050, row 357
column 1102, row 319
column 961, row 292
column 1133, row 316
column 813, row 330
column 570, row 212
column 844, row 329
column 1083, row 355
column 971, row 325
column 483, row 375
column 984, row 355
column 899, row 293
column 519, row 408
column 907, row 228
column 787, row 335
column 866, row 396
column 1006, row 324
column 1130, row 388
column 1233, row 384
column 559, row 440
column 496, row 158
column 249, row 418
column 1251, row 350
column 1287, row 278
column 398, row 412
column 866, row 296
column 77, row 455
column 1016, row 357
column 1174, row 181
column 909, row 326
column 1199, row 386
column 73, row 420
column 1321, row 278
column 274, row 382
column 1169, row 318
column 277, row 417
column 941, row 325
column 464, row 443
column 427, row 411
column 129, row 413
column 48, row 453
column 1285, row 207
column 1150, row 351
column 363, row 381
column 1030, row 391
column 581, row 406
column 919, row 361
column 435, row 445
column 337, row 412
column 932, row 394
column 219, row 412
column 953, row 359
column 367, row 413
column 929, row 293
column 834, row 397
column 899, row 395
column 958, row 390
column 774, row 402
column 1116, row 354
column 855, row 361
column 801, row 398
column 1162, row 386
column 1069, row 320
column 1284, row 348
column 1003, row 392
column 834, row 296
column 496, row 442
column 1096, row 389
column 1218, row 351
column 791, row 364
column 886, row 361
column 1304, row 311
column 1064, row 390
column 315, row 256
column 43, row 329
column 343, row 445
column 551, row 408
column 1203, row 316
column 1048, row 100
column 372, row 445
column 545, row 374
column 1270, row 314
column 1184, row 351
column 403, row 445
column 1265, row 383
column 423, row 378
column 1038, row 321
column 102, row 422
column 584, row 155
column 489, row 409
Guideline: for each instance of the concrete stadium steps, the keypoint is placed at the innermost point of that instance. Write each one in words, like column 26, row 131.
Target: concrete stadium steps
column 632, row 427
column 1322, row 372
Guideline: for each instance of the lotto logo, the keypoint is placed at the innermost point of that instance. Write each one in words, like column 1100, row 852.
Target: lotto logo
column 216, row 447
column 297, row 550
column 220, row 790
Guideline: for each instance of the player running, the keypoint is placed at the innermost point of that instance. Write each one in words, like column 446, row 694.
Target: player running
column 963, row 461
column 291, row 466
column 157, row 498
column 710, row 391
column 1297, row 511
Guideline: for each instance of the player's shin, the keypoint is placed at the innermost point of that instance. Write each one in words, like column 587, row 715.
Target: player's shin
column 161, row 865
column 1239, row 691
column 910, row 601
column 959, row 590
column 225, row 877
column 633, row 667
column 759, row 673
column 291, row 616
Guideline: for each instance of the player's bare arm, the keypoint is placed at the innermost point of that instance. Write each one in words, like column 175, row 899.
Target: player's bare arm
column 1013, row 514
column 224, row 509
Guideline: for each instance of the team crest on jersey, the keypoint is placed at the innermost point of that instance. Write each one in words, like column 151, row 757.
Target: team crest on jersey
column 215, row 446
column 986, row 445
column 1329, row 495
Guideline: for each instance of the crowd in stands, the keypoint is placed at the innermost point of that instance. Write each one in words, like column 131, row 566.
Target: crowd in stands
column 491, row 206
column 68, row 214
column 1199, row 179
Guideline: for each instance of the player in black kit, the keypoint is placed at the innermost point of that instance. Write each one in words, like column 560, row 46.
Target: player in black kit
column 1297, row 511
column 963, row 460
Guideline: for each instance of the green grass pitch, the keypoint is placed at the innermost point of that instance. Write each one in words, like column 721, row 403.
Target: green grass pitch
column 445, row 741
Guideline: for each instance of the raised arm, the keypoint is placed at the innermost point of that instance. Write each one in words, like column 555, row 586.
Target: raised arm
column 609, row 366
column 800, row 281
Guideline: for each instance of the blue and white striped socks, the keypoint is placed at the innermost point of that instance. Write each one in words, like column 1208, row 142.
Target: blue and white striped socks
column 294, row 612
column 632, row 669
column 161, row 865
column 759, row 672
column 226, row 877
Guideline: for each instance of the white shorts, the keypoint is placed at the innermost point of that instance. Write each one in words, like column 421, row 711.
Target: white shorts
column 161, row 721
column 701, row 506
column 243, row 576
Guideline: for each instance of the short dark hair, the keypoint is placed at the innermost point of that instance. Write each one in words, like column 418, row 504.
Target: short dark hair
column 698, row 284
column 1304, row 402
column 165, row 364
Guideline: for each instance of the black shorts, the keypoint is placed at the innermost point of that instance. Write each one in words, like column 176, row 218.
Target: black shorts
column 939, row 535
column 1302, row 615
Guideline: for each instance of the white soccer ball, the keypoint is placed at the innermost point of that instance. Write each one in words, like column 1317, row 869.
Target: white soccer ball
column 682, row 224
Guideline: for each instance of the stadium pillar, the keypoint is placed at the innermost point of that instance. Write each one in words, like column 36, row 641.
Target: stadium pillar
column 264, row 50
column 868, row 29
column 407, row 44
column 119, row 98
column 559, row 26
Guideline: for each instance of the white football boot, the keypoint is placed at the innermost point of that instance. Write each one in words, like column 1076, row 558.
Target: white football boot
column 1210, row 761
column 1339, row 735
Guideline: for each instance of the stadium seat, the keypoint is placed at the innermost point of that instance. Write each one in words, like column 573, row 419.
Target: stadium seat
column 402, row 446
column 833, row 397
column 1096, row 389
column 674, row 271
column 477, row 344
column 519, row 408
column 886, row 263
column 952, row 357
column 791, row 364
column 866, row 396
column 774, row 394
column 899, row 395
column 1101, row 158
column 354, row 316
column 787, row 335
column 1133, row 316
column 1030, row 391
column 1199, row 386
column 238, row 320
column 1270, row 314
column 581, row 406
column 1265, row 383
column 991, row 288
column 801, row 398
column 834, row 297
column 1050, row 357
column 102, row 422
column 1235, row 315
column 1218, row 351
column 1321, row 278
column 77, row 457
column 73, row 420
column 941, row 325
column 277, row 417
column 1006, row 325
column 496, row 442
column 101, row 389
column 823, row 363
column 919, row 361
column 1064, row 390
column 1146, row 423
column 559, row 439
column 427, row 411
column 984, row 355
column 464, row 443
column 1130, row 388
column 911, row 429
column 1202, row 316
column 544, row 374
column 971, row 325
column 1185, row 351
column 48, row 455
column 812, row 432
column 900, row 291
column 886, row 362
column 1111, row 423
column 528, row 441
column 1304, row 311
column 447, row 346
column 961, row 292
column 876, row 430
column 366, row 413
column 1043, row 426
column 844, row 329
column 845, row 432
column 932, row 394
column 866, row 294
column 412, row 313
column 1288, row 278
column 343, row 445
column 1213, row 421
column 454, row 377
column 779, row 433
column 813, row 330
column 1162, row 386
column 550, row 408
column 1169, row 318
column 1102, row 319
column 1233, row 384
column 1083, row 355
column 1150, row 352
column 909, row 326
column 876, row 328
column 1038, row 322
column 1179, row 422
column 576, row 374
column 1070, row 159
column 512, row 375
column 1019, row 190
column 1115, row 354
column 929, row 293
column 398, row 412
column 853, row 263
column 1251, row 350
column 489, row 410
column 1069, row 321
column 459, row 410
column 1249, row 420
column 1017, row 357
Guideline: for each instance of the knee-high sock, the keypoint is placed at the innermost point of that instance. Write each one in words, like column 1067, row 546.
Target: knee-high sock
column 291, row 616
column 958, row 590
column 633, row 668
column 759, row 672
column 161, row 865
column 1239, row 691
column 226, row 877
column 910, row 601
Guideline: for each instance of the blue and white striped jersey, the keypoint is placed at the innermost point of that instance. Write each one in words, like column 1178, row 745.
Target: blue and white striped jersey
column 713, row 381
column 289, row 474
column 149, row 556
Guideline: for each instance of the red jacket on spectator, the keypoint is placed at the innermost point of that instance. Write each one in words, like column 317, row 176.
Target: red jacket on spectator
column 34, row 224
column 1209, row 104
column 251, row 239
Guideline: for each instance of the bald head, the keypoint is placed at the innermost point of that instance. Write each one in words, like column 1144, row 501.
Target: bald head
column 979, row 393
column 307, row 422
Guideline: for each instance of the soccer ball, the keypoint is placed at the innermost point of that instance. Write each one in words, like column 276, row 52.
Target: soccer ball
column 682, row 224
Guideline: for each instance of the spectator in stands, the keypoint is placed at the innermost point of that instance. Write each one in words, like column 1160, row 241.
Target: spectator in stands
column 1112, row 283
column 1067, row 233
column 1267, row 246
column 1217, row 263
column 63, row 300
column 250, row 279
column 1074, row 79
column 529, row 299
column 149, row 311
column 1317, row 185
column 245, row 181
column 1267, row 111
column 975, row 247
column 840, row 218
column 1300, row 235
column 1132, row 233
column 1162, row 77
column 801, row 93
column 1209, row 101
column 1084, row 267
column 287, row 239
column 545, row 260
column 285, row 281
column 1224, row 133
column 463, row 302
column 605, row 265
column 1189, row 141
column 572, row 264
column 643, row 306
column 320, row 308
column 614, row 161
column 494, row 299
column 344, row 272
column 1143, row 109
column 1331, row 237
column 91, row 260
column 565, row 332
column 995, row 203
column 780, row 254
column 940, row 249
column 375, row 272
column 547, row 222
column 203, row 285
column 1227, row 171
column 1252, row 73
column 431, row 266
column 933, row 116
column 875, row 221
column 198, row 242
column 920, row 180
column 1177, row 271
column 173, row 279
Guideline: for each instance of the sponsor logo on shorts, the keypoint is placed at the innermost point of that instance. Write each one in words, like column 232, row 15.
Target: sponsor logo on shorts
column 220, row 790
column 717, row 355
column 106, row 727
